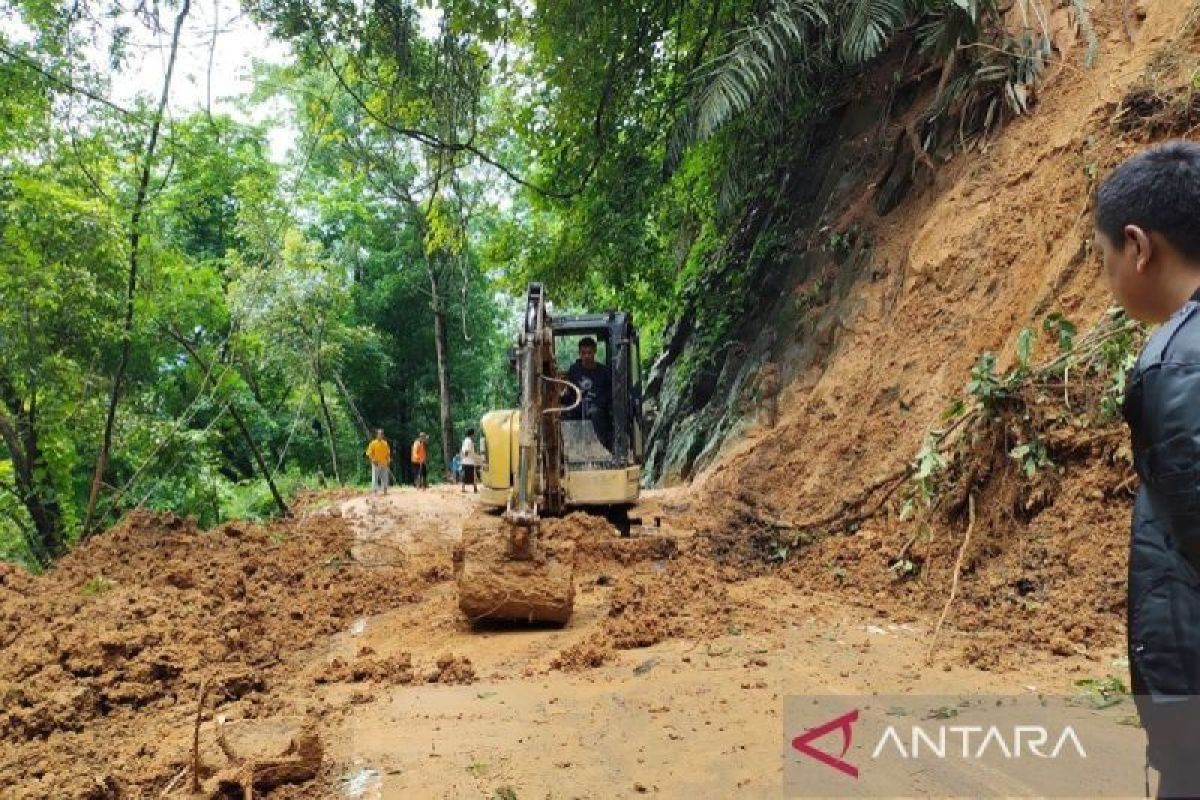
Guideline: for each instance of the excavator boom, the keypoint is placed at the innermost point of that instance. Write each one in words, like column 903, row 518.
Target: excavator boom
column 504, row 571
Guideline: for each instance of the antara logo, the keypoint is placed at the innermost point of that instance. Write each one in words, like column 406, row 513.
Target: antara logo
column 973, row 742
column 842, row 723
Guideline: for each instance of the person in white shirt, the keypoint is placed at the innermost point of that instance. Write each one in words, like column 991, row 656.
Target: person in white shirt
column 468, row 461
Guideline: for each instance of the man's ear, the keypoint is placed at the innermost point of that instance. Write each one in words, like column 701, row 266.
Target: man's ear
column 1143, row 249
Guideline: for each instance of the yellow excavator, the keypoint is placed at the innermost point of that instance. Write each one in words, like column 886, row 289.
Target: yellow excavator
column 562, row 449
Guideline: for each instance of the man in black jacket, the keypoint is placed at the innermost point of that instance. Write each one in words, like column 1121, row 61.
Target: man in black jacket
column 595, row 387
column 1148, row 232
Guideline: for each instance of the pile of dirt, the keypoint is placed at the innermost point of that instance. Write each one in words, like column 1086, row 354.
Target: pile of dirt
column 688, row 598
column 594, row 651
column 599, row 545
column 129, row 624
column 367, row 667
column 452, row 669
column 685, row 597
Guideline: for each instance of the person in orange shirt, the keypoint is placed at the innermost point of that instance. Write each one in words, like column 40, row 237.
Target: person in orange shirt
column 380, row 455
column 420, row 454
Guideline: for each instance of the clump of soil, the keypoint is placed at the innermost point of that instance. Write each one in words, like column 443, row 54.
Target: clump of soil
column 452, row 669
column 367, row 667
column 598, row 543
column 495, row 584
column 127, row 626
column 592, row 652
column 687, row 598
column 1047, row 575
column 1153, row 113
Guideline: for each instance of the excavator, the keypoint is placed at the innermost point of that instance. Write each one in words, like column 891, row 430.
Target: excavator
column 550, row 456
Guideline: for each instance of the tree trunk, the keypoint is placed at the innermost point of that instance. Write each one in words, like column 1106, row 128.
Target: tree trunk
column 135, row 235
column 47, row 540
column 258, row 459
column 443, row 367
column 242, row 427
column 333, row 456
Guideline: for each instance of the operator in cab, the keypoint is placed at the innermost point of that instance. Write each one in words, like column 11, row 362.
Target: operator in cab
column 595, row 385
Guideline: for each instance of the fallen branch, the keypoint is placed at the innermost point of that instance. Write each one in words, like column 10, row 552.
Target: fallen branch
column 908, row 544
column 962, row 550
column 895, row 480
column 196, row 736
column 170, row 787
column 1127, row 484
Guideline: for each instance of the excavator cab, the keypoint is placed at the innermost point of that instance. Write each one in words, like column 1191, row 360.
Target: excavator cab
column 602, row 450
column 546, row 457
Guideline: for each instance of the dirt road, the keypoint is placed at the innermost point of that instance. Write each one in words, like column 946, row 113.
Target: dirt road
column 691, row 716
column 670, row 679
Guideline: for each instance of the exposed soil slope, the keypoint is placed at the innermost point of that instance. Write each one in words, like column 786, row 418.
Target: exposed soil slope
column 1000, row 240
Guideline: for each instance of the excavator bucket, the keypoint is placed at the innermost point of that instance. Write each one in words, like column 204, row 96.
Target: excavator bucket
column 505, row 573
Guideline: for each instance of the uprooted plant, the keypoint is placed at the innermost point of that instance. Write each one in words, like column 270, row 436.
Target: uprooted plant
column 1022, row 423
column 1031, row 417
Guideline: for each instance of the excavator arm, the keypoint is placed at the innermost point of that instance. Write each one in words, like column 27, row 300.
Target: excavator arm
column 504, row 571
column 538, row 487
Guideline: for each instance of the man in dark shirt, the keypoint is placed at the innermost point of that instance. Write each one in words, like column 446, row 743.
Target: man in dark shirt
column 595, row 384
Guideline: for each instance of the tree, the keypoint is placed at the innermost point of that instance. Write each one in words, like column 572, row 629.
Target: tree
column 60, row 258
column 136, row 212
column 295, row 313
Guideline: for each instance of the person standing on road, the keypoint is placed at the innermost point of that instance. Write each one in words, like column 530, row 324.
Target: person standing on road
column 468, row 461
column 1148, row 235
column 420, row 454
column 380, row 455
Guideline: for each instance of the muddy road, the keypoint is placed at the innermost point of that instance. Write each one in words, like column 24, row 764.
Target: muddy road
column 670, row 679
column 695, row 714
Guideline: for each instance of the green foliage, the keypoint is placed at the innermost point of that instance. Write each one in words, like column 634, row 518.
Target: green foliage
column 1117, row 356
column 1102, row 692
column 929, row 463
column 1062, row 329
column 869, row 25
column 736, row 78
column 1016, row 399
column 1084, row 15
column 94, row 587
column 985, row 387
column 251, row 499
column 1024, row 351
column 1032, row 456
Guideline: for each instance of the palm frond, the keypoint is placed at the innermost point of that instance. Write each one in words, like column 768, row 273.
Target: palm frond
column 868, row 26
column 732, row 82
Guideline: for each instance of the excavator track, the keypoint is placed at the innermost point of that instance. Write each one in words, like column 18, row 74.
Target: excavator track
column 505, row 573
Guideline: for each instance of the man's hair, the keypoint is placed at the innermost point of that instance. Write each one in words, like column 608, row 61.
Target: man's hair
column 1159, row 191
column 470, row 431
column 587, row 341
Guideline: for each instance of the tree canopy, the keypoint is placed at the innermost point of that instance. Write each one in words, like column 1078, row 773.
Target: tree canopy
column 194, row 319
